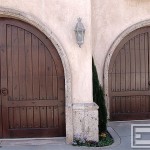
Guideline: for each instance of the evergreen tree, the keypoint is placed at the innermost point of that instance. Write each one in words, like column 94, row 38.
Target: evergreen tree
column 98, row 97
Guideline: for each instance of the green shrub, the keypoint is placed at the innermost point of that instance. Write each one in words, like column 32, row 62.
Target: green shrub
column 105, row 139
column 98, row 97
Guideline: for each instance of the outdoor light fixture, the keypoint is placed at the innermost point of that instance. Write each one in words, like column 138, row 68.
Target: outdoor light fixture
column 80, row 32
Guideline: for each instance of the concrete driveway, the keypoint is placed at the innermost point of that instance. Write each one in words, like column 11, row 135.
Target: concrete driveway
column 121, row 131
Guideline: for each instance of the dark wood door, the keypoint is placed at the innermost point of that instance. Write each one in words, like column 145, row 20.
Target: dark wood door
column 32, row 83
column 129, row 77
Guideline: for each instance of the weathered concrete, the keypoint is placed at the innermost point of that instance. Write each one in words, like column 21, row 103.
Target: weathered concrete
column 86, row 121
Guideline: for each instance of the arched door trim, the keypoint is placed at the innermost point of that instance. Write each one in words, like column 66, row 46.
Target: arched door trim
column 110, row 53
column 32, row 20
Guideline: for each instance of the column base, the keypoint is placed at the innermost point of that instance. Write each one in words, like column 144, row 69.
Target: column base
column 85, row 121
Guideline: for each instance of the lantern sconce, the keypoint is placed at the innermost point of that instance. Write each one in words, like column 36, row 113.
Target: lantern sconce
column 79, row 32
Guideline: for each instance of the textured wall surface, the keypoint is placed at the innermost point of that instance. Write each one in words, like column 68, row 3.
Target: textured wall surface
column 86, row 121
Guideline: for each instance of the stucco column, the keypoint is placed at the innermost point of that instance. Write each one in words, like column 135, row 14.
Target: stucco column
column 85, row 112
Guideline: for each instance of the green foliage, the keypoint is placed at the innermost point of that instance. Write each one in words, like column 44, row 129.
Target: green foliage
column 98, row 97
column 104, row 140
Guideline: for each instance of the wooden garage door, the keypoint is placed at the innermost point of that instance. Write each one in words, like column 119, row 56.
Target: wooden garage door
column 32, row 84
column 129, row 77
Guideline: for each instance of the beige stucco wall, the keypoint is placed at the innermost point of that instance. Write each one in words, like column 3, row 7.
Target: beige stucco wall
column 109, row 19
column 60, row 17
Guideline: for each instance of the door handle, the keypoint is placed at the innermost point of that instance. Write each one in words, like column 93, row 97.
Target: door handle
column 4, row 91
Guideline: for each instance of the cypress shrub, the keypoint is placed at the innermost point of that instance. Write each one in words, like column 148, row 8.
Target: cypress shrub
column 98, row 97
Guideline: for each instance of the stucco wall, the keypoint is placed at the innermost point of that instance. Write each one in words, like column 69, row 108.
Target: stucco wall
column 60, row 17
column 109, row 19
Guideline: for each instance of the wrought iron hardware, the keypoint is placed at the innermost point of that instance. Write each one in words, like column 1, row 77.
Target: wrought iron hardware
column 148, row 82
column 4, row 91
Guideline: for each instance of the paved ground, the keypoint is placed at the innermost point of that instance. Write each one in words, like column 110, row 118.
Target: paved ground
column 120, row 130
column 123, row 129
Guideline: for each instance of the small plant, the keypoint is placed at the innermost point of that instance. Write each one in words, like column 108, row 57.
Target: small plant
column 103, row 135
column 79, row 141
column 105, row 139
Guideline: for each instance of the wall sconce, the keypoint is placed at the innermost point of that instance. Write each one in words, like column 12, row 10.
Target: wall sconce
column 80, row 32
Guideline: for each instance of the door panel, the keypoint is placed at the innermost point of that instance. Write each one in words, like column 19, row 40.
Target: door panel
column 129, row 77
column 34, row 78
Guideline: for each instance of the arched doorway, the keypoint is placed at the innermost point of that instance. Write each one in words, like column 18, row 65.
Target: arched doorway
column 32, row 83
column 128, row 77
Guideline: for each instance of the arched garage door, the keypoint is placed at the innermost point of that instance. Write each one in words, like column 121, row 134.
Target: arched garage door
column 129, row 77
column 32, row 84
